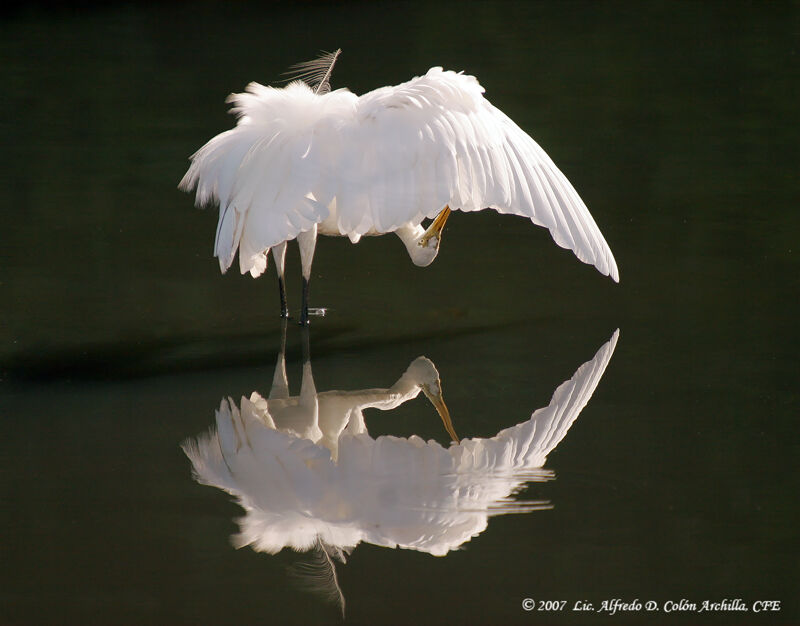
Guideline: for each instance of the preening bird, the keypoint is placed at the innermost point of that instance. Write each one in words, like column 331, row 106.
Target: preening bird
column 304, row 160
column 315, row 475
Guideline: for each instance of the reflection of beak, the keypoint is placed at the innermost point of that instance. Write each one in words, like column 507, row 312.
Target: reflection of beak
column 435, row 229
column 441, row 408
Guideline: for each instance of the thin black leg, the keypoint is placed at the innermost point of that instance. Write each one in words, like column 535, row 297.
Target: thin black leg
column 284, row 306
column 304, row 312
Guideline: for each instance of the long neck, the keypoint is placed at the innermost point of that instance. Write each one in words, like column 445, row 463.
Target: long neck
column 420, row 255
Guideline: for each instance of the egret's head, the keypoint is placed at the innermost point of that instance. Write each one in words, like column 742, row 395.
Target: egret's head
column 424, row 374
column 428, row 244
column 425, row 251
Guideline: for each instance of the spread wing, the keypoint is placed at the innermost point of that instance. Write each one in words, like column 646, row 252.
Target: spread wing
column 436, row 140
column 393, row 156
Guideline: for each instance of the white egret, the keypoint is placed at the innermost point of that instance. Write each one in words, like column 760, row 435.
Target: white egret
column 304, row 161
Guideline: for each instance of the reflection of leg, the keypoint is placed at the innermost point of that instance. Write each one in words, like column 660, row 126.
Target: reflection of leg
column 279, row 254
column 307, row 242
column 306, row 342
column 356, row 424
column 284, row 326
column 308, row 399
column 308, row 392
column 280, row 382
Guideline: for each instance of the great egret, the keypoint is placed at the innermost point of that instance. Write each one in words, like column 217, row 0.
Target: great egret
column 304, row 160
column 306, row 481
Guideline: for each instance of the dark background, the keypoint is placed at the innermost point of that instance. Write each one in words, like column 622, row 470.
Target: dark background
column 677, row 123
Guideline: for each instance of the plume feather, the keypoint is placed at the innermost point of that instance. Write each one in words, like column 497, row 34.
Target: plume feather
column 317, row 72
column 318, row 573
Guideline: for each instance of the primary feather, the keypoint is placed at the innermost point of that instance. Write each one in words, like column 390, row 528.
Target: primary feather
column 371, row 164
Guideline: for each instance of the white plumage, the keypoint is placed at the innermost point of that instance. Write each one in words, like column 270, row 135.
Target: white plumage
column 335, row 484
column 299, row 161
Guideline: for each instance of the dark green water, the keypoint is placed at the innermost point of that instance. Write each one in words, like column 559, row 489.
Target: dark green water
column 678, row 126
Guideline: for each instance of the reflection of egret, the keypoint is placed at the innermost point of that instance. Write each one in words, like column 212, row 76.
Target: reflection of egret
column 304, row 161
column 387, row 491
column 322, row 417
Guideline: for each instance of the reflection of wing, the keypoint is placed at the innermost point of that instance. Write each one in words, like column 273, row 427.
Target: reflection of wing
column 388, row 491
column 533, row 440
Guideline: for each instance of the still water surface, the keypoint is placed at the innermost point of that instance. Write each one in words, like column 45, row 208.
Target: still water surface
column 120, row 339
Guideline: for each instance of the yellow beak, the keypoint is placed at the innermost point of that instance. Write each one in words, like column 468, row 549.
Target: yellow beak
column 435, row 229
column 441, row 408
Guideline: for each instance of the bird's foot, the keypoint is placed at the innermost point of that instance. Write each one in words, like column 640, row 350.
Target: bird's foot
column 312, row 311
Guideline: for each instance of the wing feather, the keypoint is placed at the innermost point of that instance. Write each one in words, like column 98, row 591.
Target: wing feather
column 268, row 172
column 485, row 160
column 394, row 156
